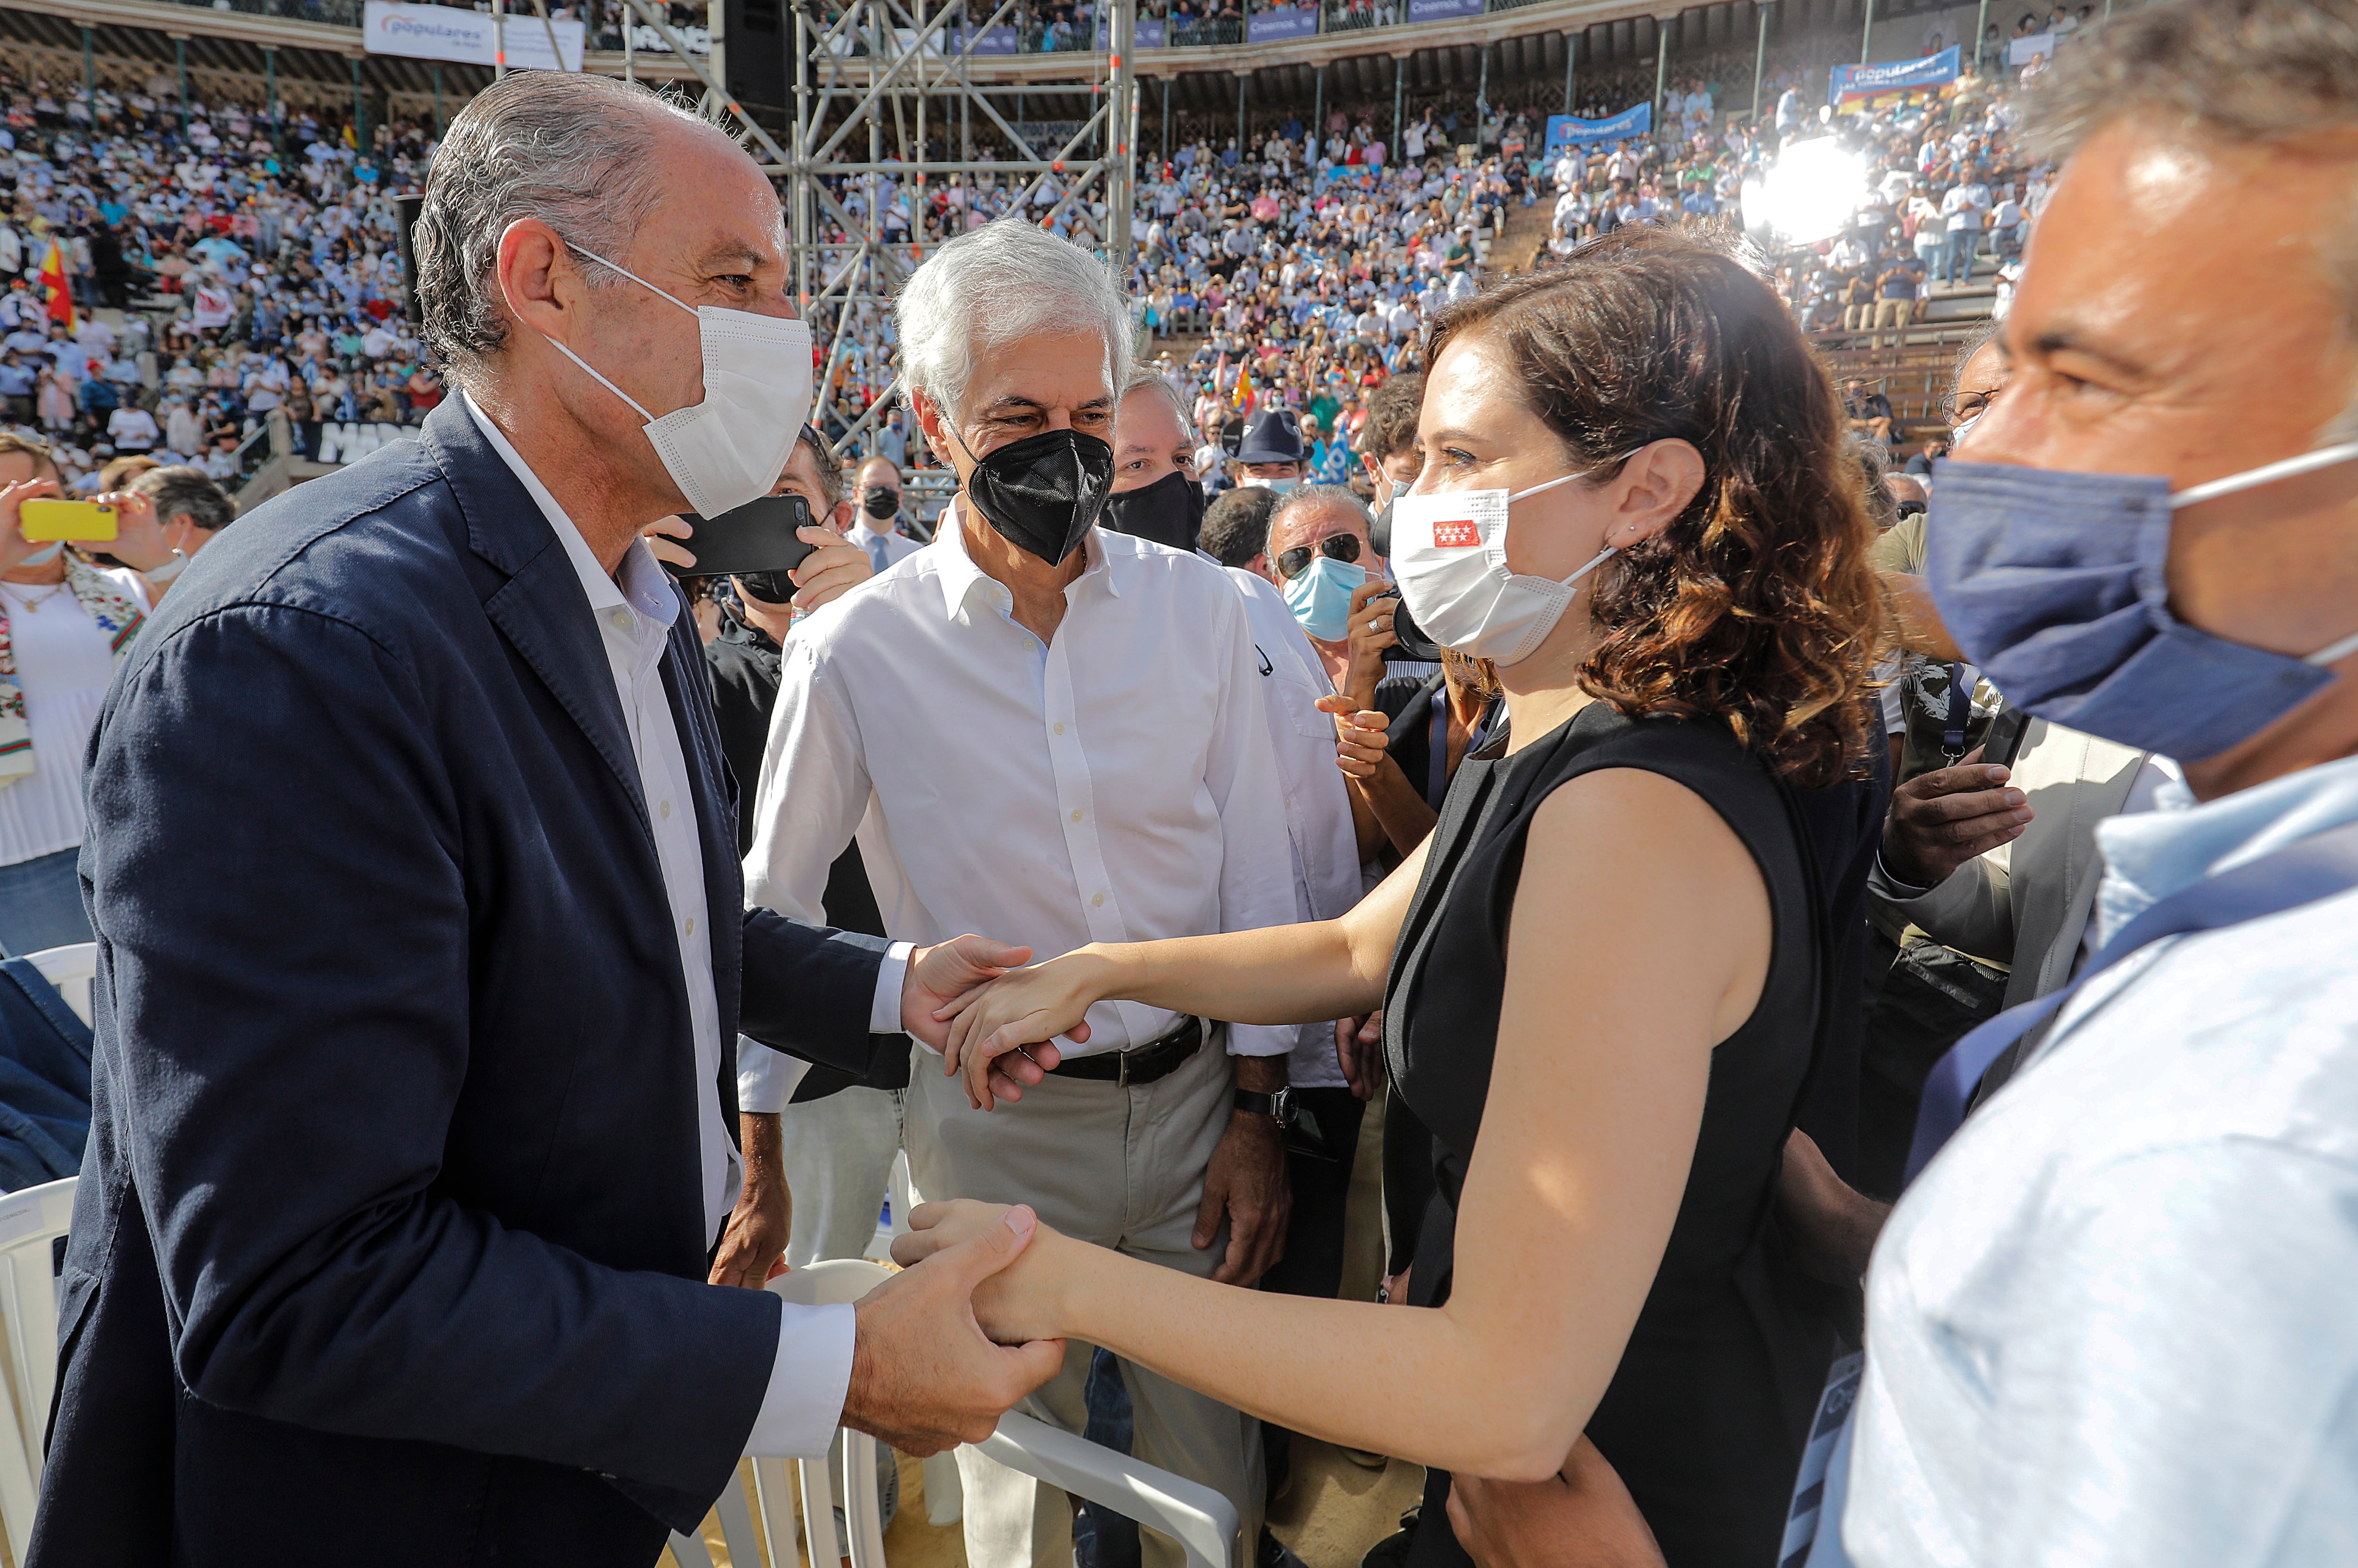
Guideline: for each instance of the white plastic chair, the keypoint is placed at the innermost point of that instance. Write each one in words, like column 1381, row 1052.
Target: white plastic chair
column 30, row 1222
column 1203, row 1522
column 72, row 969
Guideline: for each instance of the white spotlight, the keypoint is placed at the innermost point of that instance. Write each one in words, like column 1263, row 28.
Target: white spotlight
column 1809, row 194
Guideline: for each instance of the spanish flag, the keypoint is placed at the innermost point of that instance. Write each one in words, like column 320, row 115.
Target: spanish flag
column 59, row 298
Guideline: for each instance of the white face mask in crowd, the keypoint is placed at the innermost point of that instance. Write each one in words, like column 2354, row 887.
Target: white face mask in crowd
column 730, row 447
column 1449, row 556
column 1255, row 482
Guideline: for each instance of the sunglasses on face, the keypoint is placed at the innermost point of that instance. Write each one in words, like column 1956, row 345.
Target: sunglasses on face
column 1343, row 547
column 1911, row 508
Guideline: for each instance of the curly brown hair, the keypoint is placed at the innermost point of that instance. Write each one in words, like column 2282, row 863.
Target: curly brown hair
column 1756, row 605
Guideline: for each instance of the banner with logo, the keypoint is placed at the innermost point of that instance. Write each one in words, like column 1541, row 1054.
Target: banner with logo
column 1280, row 23
column 1570, row 130
column 1150, row 33
column 1850, row 83
column 470, row 38
column 1442, row 10
column 990, row 40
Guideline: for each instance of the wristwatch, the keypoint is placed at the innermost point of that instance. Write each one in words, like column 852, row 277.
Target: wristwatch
column 1279, row 1107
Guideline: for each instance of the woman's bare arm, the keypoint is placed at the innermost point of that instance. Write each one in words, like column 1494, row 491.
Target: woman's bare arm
column 1641, row 938
column 1279, row 973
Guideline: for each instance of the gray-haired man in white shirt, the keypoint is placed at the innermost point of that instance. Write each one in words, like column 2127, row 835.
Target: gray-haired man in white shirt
column 1059, row 727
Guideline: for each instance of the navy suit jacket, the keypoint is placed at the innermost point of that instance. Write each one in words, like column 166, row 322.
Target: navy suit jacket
column 390, row 1243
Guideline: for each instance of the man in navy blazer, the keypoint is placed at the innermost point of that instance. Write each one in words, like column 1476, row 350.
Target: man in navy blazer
column 413, row 858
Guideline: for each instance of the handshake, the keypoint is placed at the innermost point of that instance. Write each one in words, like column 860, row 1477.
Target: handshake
column 942, row 1351
column 971, row 1000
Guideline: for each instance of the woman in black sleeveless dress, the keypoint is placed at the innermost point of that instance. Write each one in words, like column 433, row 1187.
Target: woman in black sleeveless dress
column 1602, row 974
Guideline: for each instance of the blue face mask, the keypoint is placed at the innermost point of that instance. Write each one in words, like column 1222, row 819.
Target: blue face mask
column 1321, row 597
column 2055, row 584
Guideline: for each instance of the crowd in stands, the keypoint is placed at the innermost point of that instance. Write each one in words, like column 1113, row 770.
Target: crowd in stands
column 1880, row 932
column 220, row 261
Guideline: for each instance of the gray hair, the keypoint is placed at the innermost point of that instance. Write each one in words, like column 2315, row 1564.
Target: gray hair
column 572, row 149
column 2237, row 70
column 1874, row 461
column 1305, row 497
column 994, row 285
column 181, row 488
column 2245, row 70
column 825, row 464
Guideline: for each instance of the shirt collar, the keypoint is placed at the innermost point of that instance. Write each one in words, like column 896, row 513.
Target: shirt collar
column 639, row 582
column 960, row 574
column 2150, row 855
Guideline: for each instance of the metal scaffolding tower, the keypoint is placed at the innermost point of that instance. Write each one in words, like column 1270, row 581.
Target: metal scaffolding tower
column 888, row 106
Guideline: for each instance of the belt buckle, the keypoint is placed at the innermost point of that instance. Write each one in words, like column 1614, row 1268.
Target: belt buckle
column 1121, row 1069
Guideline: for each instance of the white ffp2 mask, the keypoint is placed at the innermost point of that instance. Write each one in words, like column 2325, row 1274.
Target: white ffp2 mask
column 732, row 447
column 1449, row 556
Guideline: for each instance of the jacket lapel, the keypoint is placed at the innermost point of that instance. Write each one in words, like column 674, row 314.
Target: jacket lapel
column 540, row 608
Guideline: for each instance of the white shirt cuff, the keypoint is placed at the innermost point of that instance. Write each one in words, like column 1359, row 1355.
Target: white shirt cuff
column 884, row 1013
column 808, row 1381
column 1262, row 1039
column 766, row 1079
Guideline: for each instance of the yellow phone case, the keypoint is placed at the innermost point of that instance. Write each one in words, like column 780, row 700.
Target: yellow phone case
column 42, row 518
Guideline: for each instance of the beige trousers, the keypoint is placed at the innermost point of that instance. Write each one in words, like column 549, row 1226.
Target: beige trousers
column 1123, row 1168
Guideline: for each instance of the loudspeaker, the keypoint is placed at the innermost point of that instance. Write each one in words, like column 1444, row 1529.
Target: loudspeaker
column 758, row 35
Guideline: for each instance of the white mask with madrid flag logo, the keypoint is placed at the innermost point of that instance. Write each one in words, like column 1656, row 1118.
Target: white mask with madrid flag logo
column 1449, row 556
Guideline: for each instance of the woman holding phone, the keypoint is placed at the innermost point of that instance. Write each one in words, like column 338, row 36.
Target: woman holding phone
column 1600, row 974
column 63, row 628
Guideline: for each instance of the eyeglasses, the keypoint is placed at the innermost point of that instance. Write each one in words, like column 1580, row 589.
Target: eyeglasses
column 1959, row 409
column 1343, row 547
column 1911, row 508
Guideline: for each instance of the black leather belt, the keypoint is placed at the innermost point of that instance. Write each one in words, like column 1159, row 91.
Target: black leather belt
column 1155, row 1059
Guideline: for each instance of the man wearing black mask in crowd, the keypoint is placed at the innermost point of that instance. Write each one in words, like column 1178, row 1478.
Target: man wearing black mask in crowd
column 873, row 524
column 1062, row 726
column 1155, row 492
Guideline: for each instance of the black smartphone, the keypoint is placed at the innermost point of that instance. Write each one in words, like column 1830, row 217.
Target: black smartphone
column 759, row 537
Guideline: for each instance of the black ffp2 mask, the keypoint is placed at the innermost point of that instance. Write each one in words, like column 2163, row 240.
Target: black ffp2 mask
column 880, row 501
column 1043, row 492
column 1169, row 511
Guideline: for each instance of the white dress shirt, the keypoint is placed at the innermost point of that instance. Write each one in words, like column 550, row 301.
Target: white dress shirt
column 1114, row 784
column 1327, row 881
column 634, row 611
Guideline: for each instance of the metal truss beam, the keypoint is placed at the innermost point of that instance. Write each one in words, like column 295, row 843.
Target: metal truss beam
column 915, row 85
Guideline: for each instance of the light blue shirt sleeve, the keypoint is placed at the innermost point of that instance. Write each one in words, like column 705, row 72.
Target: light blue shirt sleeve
column 2182, row 1387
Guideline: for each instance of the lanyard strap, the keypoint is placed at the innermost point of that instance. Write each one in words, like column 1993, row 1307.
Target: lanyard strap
column 2317, row 867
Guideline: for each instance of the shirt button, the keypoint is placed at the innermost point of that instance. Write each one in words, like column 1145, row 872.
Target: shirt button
column 620, row 620
column 664, row 811
column 692, row 925
column 1060, row 728
column 1100, row 900
column 1076, row 814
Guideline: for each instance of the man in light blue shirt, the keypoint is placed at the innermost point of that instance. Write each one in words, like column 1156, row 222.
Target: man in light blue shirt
column 2112, row 1321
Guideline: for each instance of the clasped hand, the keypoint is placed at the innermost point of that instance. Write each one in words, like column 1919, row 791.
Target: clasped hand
column 1013, row 1305
column 1020, row 1011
